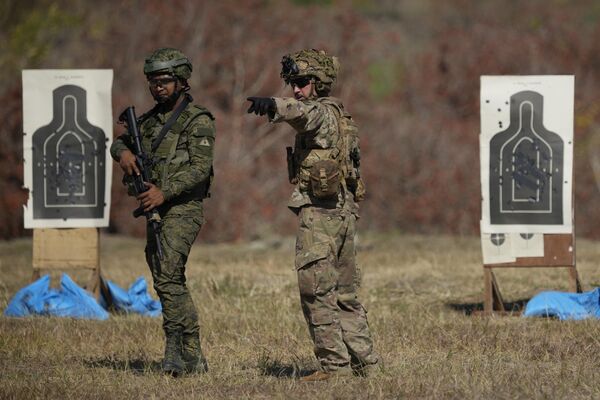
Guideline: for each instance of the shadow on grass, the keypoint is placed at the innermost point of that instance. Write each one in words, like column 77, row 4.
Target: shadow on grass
column 470, row 308
column 280, row 370
column 137, row 366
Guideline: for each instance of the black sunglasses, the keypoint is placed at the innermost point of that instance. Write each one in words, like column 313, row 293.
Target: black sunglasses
column 300, row 82
column 162, row 82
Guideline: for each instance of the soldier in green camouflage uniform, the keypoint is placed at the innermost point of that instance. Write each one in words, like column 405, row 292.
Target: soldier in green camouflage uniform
column 181, row 174
column 325, row 199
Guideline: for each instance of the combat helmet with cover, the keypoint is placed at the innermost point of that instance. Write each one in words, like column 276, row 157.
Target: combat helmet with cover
column 170, row 61
column 311, row 63
column 323, row 172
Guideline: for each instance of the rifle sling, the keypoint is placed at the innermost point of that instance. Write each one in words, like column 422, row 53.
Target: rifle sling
column 172, row 119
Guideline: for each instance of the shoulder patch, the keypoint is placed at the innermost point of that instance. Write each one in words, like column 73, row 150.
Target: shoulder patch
column 199, row 110
column 193, row 116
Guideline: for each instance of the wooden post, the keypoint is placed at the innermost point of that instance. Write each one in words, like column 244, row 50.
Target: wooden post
column 68, row 249
column 493, row 298
column 574, row 282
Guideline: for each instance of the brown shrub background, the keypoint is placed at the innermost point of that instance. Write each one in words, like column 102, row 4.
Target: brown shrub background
column 410, row 76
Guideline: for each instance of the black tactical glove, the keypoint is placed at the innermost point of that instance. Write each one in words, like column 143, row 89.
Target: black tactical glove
column 261, row 105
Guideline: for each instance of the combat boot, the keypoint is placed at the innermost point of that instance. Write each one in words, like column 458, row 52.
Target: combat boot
column 325, row 375
column 370, row 366
column 194, row 360
column 173, row 362
column 316, row 376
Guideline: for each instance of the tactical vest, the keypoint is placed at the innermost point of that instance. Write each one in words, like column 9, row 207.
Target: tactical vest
column 171, row 156
column 324, row 172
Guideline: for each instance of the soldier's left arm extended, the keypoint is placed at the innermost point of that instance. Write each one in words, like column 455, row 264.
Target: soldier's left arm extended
column 201, row 140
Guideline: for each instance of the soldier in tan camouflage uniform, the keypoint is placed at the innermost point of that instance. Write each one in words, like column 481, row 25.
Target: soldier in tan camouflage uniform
column 324, row 168
column 181, row 173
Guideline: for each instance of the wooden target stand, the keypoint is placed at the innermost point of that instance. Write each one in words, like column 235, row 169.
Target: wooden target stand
column 559, row 252
column 69, row 249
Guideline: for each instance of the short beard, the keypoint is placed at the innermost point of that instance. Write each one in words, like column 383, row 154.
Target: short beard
column 169, row 101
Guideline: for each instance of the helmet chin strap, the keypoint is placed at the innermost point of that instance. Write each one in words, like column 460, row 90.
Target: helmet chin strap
column 313, row 90
column 173, row 98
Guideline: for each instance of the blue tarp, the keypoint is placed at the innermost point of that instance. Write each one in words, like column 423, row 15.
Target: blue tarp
column 70, row 300
column 561, row 305
column 135, row 300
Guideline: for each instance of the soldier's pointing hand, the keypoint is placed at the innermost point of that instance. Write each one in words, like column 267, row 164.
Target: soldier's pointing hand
column 261, row 105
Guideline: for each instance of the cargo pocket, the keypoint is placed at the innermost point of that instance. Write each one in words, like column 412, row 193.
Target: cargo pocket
column 306, row 282
column 321, row 324
column 312, row 253
column 321, row 317
column 179, row 233
column 317, row 279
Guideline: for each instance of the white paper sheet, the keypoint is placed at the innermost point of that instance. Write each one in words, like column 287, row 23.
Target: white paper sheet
column 67, row 124
column 527, row 154
column 500, row 248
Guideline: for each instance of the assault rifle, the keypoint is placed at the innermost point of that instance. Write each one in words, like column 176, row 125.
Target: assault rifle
column 137, row 181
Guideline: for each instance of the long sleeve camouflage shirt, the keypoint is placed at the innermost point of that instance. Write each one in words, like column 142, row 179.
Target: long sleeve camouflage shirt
column 183, row 161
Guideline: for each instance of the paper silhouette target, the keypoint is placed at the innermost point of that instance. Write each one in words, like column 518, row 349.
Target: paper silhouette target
column 526, row 154
column 68, row 161
column 66, row 156
column 526, row 167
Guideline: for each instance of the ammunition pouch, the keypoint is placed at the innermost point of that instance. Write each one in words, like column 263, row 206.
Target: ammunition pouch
column 360, row 190
column 356, row 185
column 325, row 179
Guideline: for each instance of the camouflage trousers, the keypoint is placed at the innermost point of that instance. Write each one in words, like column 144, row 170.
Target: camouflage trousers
column 328, row 279
column 180, row 226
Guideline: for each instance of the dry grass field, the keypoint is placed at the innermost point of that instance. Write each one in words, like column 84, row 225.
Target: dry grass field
column 419, row 291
